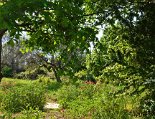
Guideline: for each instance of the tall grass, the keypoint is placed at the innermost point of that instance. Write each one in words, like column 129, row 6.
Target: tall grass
column 95, row 101
column 22, row 94
column 77, row 99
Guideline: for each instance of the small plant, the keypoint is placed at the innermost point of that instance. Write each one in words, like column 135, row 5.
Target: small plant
column 7, row 71
column 1, row 99
column 7, row 115
column 43, row 79
column 31, row 113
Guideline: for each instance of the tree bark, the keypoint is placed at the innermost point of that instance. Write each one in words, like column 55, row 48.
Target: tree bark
column 52, row 66
column 56, row 75
column 2, row 32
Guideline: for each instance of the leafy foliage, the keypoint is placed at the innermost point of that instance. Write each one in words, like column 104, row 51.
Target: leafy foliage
column 55, row 27
column 7, row 71
column 31, row 73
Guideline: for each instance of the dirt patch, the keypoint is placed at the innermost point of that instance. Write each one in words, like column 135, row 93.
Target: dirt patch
column 53, row 105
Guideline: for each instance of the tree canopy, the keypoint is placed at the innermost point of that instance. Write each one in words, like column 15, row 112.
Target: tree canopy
column 65, row 28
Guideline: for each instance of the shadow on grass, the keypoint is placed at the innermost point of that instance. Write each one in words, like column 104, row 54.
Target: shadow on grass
column 54, row 86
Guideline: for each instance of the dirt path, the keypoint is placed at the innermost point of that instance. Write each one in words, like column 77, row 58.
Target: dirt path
column 50, row 105
column 53, row 111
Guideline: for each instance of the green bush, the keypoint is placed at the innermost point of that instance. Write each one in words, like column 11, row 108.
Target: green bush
column 7, row 71
column 43, row 79
column 31, row 113
column 31, row 73
column 85, row 75
column 18, row 99
column 81, row 74
column 148, row 105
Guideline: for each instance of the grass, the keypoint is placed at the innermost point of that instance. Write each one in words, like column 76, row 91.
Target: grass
column 78, row 100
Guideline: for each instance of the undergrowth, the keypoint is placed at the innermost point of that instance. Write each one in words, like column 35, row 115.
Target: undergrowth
column 78, row 100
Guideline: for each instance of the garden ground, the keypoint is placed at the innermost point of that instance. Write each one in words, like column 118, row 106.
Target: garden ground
column 25, row 99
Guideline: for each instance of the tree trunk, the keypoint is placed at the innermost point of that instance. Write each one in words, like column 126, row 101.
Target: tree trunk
column 2, row 32
column 56, row 75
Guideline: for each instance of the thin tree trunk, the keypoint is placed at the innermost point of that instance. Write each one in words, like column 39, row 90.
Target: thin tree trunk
column 56, row 75
column 2, row 32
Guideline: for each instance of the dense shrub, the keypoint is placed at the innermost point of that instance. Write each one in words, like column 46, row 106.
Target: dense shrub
column 81, row 74
column 7, row 71
column 85, row 75
column 148, row 101
column 31, row 73
column 18, row 99
column 43, row 79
